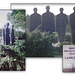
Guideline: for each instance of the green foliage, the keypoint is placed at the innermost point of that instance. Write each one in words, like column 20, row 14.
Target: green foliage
column 39, row 44
column 19, row 18
column 60, row 48
column 55, row 37
column 20, row 48
column 0, row 32
column 20, row 35
column 64, row 43
column 68, row 37
column 13, row 57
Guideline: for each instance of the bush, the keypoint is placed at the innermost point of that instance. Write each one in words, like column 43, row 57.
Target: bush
column 55, row 37
column 68, row 37
column 13, row 57
column 60, row 48
column 20, row 35
column 20, row 48
column 39, row 44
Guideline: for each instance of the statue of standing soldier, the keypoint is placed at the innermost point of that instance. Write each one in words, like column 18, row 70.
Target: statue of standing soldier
column 12, row 35
column 72, row 24
column 7, row 34
column 35, row 20
column 48, row 21
column 61, row 22
column 4, row 33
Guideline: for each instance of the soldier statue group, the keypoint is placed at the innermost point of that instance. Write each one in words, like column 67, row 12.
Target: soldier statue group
column 48, row 23
column 8, row 36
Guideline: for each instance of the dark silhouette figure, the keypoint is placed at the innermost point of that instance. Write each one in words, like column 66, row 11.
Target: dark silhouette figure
column 35, row 20
column 48, row 21
column 72, row 24
column 61, row 22
column 12, row 35
column 7, row 34
column 4, row 37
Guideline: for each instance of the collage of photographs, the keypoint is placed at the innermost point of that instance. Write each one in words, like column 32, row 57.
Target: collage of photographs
column 37, row 30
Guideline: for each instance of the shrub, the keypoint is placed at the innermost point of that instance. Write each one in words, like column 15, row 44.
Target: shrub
column 20, row 48
column 39, row 44
column 20, row 35
column 13, row 56
column 68, row 37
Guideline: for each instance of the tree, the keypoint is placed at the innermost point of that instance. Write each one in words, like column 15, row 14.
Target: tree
column 18, row 19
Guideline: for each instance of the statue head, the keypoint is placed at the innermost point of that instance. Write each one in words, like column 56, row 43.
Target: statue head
column 35, row 10
column 47, row 8
column 12, row 26
column 74, row 9
column 7, row 24
column 61, row 10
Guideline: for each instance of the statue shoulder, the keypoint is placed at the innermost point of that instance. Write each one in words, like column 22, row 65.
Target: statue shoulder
column 57, row 15
column 35, row 14
column 51, row 13
column 72, row 14
column 31, row 15
column 43, row 14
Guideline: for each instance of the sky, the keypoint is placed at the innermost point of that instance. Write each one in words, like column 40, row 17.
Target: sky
column 3, row 17
column 54, row 8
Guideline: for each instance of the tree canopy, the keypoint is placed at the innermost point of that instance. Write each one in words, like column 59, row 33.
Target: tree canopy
column 18, row 17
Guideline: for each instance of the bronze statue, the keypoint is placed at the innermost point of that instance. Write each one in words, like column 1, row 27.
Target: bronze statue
column 72, row 24
column 35, row 20
column 61, row 22
column 48, row 21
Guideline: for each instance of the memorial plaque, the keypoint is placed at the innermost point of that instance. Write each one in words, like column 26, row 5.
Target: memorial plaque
column 68, row 58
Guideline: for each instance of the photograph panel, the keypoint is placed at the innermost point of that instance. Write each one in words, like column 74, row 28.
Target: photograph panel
column 12, row 40
column 48, row 28
column 68, row 58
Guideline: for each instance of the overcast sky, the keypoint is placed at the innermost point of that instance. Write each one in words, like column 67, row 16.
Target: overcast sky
column 54, row 8
column 3, row 17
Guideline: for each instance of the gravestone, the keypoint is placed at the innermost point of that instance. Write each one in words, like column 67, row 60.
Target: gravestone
column 35, row 20
column 61, row 22
column 12, row 35
column 72, row 24
column 7, row 34
column 48, row 21
column 4, row 33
